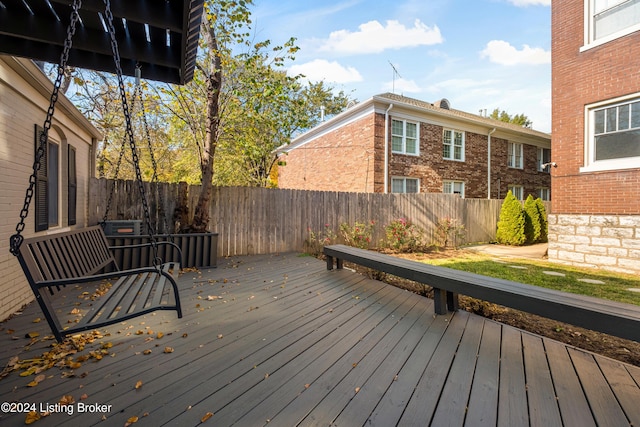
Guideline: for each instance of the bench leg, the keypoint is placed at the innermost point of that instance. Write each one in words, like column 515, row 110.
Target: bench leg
column 329, row 262
column 339, row 264
column 440, row 301
column 452, row 301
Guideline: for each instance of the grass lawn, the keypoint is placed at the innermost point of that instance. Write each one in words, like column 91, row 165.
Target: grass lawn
column 614, row 287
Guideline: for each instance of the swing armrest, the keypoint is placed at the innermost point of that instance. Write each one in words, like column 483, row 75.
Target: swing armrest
column 144, row 245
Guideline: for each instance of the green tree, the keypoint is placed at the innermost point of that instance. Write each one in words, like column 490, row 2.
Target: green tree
column 503, row 116
column 544, row 223
column 511, row 224
column 532, row 225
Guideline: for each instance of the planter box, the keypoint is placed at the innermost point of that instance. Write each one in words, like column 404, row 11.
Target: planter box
column 198, row 250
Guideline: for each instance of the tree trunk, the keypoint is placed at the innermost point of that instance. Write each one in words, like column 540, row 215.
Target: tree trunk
column 214, row 82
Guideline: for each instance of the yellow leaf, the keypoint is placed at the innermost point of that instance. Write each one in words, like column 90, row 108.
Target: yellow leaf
column 159, row 335
column 67, row 400
column 32, row 417
column 138, row 384
column 130, row 421
column 32, row 335
column 206, row 417
column 32, row 384
column 146, row 352
column 168, row 350
column 37, row 320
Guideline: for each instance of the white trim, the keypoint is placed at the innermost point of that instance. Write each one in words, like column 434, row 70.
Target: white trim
column 452, row 145
column 589, row 163
column 404, row 184
column 589, row 41
column 404, row 137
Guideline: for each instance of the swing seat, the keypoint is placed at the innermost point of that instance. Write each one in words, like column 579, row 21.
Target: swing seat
column 79, row 258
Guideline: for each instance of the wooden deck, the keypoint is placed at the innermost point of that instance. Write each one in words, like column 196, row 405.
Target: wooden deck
column 280, row 340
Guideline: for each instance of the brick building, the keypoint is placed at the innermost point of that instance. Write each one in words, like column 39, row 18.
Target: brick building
column 596, row 134
column 431, row 148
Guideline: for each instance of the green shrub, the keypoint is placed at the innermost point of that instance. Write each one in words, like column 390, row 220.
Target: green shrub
column 449, row 233
column 316, row 241
column 531, row 220
column 544, row 224
column 358, row 235
column 403, row 235
column 511, row 224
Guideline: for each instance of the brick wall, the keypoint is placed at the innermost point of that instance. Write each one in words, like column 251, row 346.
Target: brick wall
column 342, row 160
column 432, row 169
column 581, row 78
column 313, row 166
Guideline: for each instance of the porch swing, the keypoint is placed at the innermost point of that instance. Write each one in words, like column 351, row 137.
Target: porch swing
column 82, row 256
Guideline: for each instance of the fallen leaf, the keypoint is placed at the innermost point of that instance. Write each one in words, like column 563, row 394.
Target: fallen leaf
column 168, row 349
column 84, row 396
column 32, row 335
column 130, row 421
column 357, row 389
column 206, row 417
column 138, row 384
column 159, row 335
column 146, row 352
column 37, row 320
column 32, row 417
column 66, row 400
column 220, row 336
column 74, row 311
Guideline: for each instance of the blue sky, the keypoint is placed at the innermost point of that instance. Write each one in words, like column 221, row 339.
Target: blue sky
column 479, row 54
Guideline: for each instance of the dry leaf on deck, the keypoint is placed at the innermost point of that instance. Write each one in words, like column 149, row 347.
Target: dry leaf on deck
column 32, row 417
column 130, row 421
column 168, row 349
column 138, row 384
column 206, row 417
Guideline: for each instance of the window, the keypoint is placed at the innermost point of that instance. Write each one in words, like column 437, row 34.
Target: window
column 613, row 136
column 514, row 155
column 610, row 19
column 405, row 185
column 544, row 156
column 404, row 137
column 47, row 190
column 453, row 187
column 453, row 145
column 517, row 191
column 544, row 194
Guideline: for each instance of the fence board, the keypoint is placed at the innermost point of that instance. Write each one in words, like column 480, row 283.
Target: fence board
column 258, row 220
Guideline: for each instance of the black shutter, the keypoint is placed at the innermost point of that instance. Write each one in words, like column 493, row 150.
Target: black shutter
column 72, row 186
column 41, row 194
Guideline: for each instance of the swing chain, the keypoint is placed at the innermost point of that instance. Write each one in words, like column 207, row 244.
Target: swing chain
column 16, row 239
column 129, row 129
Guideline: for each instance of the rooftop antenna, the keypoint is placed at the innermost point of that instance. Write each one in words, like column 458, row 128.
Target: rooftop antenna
column 395, row 73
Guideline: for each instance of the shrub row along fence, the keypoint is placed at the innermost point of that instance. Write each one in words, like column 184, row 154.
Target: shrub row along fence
column 258, row 220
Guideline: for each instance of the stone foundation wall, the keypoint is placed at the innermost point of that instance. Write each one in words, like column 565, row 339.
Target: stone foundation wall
column 608, row 242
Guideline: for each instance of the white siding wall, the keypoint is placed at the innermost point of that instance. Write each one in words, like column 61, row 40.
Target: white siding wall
column 23, row 102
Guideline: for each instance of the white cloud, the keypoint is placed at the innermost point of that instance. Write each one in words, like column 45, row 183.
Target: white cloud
column 402, row 86
column 373, row 37
column 523, row 3
column 503, row 53
column 320, row 69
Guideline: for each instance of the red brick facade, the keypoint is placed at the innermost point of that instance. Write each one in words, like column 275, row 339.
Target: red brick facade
column 597, row 74
column 350, row 157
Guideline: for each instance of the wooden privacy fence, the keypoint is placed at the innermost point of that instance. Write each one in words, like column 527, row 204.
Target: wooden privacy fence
column 252, row 220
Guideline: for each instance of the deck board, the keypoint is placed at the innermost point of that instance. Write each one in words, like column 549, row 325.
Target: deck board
column 278, row 340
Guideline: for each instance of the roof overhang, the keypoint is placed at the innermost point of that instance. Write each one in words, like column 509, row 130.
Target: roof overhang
column 159, row 35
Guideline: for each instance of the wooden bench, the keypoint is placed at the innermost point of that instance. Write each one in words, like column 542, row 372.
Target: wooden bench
column 82, row 256
column 619, row 319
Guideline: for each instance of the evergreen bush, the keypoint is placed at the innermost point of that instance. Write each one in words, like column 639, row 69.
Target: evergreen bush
column 531, row 220
column 511, row 224
column 544, row 224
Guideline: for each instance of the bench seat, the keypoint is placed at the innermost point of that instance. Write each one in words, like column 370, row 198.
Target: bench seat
column 614, row 318
column 83, row 256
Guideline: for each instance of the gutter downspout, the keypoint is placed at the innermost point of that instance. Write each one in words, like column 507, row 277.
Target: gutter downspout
column 489, row 163
column 386, row 149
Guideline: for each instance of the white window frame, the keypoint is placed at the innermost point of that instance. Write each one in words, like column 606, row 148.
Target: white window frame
column 544, row 193
column 453, row 187
column 541, row 159
column 404, row 180
column 590, row 162
column 590, row 39
column 517, row 191
column 404, row 137
column 452, row 146
column 515, row 160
